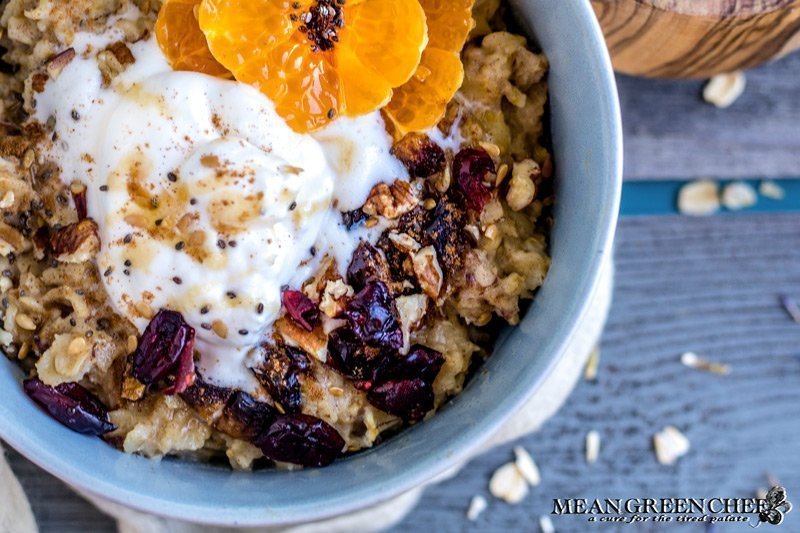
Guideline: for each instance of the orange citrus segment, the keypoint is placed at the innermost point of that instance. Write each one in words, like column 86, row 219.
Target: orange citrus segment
column 421, row 103
column 241, row 33
column 181, row 40
column 387, row 37
column 317, row 59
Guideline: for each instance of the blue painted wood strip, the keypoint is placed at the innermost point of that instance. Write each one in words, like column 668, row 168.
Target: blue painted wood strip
column 661, row 198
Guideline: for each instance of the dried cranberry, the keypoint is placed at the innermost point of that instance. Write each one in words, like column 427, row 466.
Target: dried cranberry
column 350, row 356
column 301, row 439
column 72, row 405
column 404, row 383
column 244, row 417
column 300, row 308
column 366, row 264
column 420, row 362
column 373, row 317
column 409, row 399
column 164, row 358
column 472, row 167
column 280, row 374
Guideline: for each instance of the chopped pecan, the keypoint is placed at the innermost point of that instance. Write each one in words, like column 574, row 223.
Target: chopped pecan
column 38, row 81
column 522, row 188
column 428, row 271
column 446, row 233
column 367, row 263
column 280, row 373
column 58, row 62
column 391, row 201
column 207, row 399
column 311, row 342
column 244, row 417
column 420, row 155
column 76, row 242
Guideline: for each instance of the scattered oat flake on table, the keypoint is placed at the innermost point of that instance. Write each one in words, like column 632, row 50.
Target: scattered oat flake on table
column 546, row 525
column 770, row 189
column 527, row 466
column 739, row 195
column 670, row 444
column 592, row 446
column 477, row 505
column 791, row 307
column 692, row 360
column 507, row 484
column 699, row 198
column 590, row 372
column 724, row 89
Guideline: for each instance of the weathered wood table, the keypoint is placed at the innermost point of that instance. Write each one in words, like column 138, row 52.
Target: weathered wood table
column 708, row 285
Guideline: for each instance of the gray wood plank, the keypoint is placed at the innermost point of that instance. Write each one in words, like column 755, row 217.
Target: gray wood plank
column 670, row 132
column 707, row 285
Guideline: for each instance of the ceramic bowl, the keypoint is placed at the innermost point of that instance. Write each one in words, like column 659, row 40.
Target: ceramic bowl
column 587, row 144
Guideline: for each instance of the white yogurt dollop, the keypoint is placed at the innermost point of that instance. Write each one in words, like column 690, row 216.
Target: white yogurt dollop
column 206, row 201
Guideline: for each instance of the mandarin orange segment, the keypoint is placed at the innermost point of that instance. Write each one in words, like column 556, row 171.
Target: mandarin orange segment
column 181, row 40
column 421, row 103
column 303, row 85
column 317, row 59
column 242, row 33
column 449, row 23
column 387, row 37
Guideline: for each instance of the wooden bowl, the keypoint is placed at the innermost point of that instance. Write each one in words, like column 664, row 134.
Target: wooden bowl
column 697, row 38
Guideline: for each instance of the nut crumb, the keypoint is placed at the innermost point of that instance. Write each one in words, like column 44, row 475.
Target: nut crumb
column 770, row 189
column 527, row 467
column 546, row 525
column 691, row 360
column 592, row 447
column 507, row 484
column 670, row 444
column 739, row 195
column 724, row 89
column 477, row 505
column 592, row 364
column 699, row 198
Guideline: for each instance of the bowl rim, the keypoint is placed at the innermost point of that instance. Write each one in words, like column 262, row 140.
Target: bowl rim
column 89, row 483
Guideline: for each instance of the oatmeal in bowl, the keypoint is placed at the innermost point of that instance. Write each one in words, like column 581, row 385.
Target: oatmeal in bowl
column 276, row 233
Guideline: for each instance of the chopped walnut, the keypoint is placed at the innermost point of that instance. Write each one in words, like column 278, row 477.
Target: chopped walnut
column 522, row 188
column 428, row 271
column 391, row 201
column 76, row 242
column 334, row 297
column 405, row 242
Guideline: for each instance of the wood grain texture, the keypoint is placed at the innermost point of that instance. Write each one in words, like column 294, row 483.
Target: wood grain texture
column 670, row 132
column 708, row 285
column 697, row 39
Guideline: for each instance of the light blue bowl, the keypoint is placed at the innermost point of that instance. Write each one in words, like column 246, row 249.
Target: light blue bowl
column 588, row 148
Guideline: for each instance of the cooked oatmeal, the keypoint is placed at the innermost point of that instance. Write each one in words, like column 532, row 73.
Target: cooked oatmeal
column 367, row 342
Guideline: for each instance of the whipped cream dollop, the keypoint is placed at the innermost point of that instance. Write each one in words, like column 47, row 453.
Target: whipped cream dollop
column 207, row 203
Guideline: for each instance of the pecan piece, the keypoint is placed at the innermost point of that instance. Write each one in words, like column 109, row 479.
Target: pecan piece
column 76, row 242
column 58, row 62
column 391, row 201
column 420, row 155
